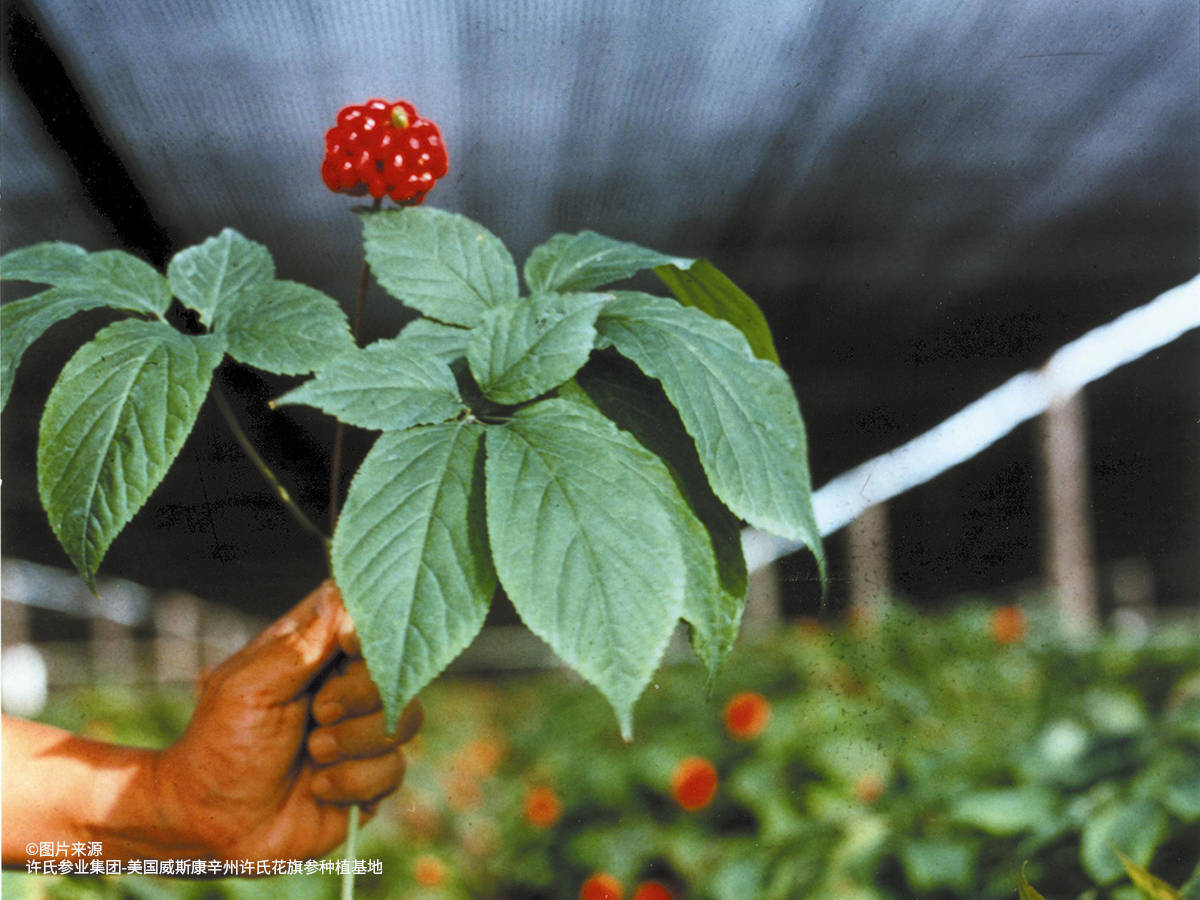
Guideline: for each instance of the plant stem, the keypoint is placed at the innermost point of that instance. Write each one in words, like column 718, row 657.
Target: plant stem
column 335, row 472
column 261, row 464
column 335, row 463
column 351, row 850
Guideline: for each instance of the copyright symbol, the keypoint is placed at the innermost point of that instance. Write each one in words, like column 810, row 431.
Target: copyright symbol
column 31, row 849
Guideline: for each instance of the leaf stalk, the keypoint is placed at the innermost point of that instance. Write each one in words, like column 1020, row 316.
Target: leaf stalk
column 265, row 470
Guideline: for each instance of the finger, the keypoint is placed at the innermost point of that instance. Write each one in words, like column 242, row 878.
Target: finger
column 284, row 659
column 356, row 738
column 368, row 811
column 411, row 721
column 364, row 736
column 349, row 692
column 299, row 615
column 348, row 637
column 360, row 780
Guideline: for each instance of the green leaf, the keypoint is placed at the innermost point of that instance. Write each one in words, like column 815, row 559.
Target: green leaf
column 82, row 281
column 740, row 410
column 1149, row 886
column 1005, row 811
column 737, row 876
column 1025, row 890
column 780, row 821
column 51, row 262
column 126, row 282
column 284, row 327
column 580, row 262
column 705, row 287
column 1135, row 828
column 24, row 321
column 1182, row 795
column 440, row 263
column 114, row 422
column 390, row 385
column 932, row 863
column 411, row 557
column 447, row 342
column 528, row 346
column 584, row 544
column 1191, row 887
column 716, row 569
column 214, row 273
column 121, row 280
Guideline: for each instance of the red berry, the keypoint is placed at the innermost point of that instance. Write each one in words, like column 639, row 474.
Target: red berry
column 542, row 807
column 394, row 165
column 429, row 870
column 869, row 787
column 371, row 129
column 329, row 174
column 1008, row 625
column 365, row 164
column 746, row 715
column 383, row 148
column 601, row 886
column 694, row 783
column 347, row 176
column 653, row 890
column 388, row 143
column 349, row 115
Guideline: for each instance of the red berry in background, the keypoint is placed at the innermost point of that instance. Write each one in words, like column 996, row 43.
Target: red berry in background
column 542, row 807
column 653, row 890
column 381, row 148
column 746, row 715
column 601, row 886
column 1008, row 625
column 429, row 870
column 694, row 783
column 479, row 757
column 869, row 787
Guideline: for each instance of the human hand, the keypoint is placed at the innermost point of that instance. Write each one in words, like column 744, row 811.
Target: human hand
column 281, row 746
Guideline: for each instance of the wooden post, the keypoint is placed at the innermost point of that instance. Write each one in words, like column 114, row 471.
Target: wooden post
column 870, row 559
column 177, row 638
column 223, row 632
column 1067, row 516
column 14, row 622
column 763, row 601
column 1132, row 583
column 114, row 655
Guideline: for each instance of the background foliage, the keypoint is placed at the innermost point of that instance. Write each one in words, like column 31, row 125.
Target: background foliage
column 904, row 756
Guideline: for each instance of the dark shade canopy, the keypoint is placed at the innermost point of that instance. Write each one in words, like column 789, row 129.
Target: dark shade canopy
column 924, row 197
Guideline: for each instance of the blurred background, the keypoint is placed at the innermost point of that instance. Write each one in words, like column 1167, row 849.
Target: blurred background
column 926, row 199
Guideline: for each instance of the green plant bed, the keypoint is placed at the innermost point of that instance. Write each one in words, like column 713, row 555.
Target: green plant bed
column 904, row 756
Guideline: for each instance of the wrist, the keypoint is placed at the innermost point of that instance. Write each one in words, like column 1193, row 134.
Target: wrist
column 183, row 810
column 135, row 812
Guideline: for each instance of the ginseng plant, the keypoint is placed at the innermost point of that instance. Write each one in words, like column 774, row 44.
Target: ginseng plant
column 593, row 452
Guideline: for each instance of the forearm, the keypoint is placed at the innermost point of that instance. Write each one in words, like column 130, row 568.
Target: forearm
column 63, row 788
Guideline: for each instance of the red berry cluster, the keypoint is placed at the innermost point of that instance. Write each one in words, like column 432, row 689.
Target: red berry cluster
column 383, row 148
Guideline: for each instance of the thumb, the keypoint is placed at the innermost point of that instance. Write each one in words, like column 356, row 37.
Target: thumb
column 285, row 657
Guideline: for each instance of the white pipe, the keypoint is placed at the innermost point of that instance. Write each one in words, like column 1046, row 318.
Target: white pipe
column 980, row 424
